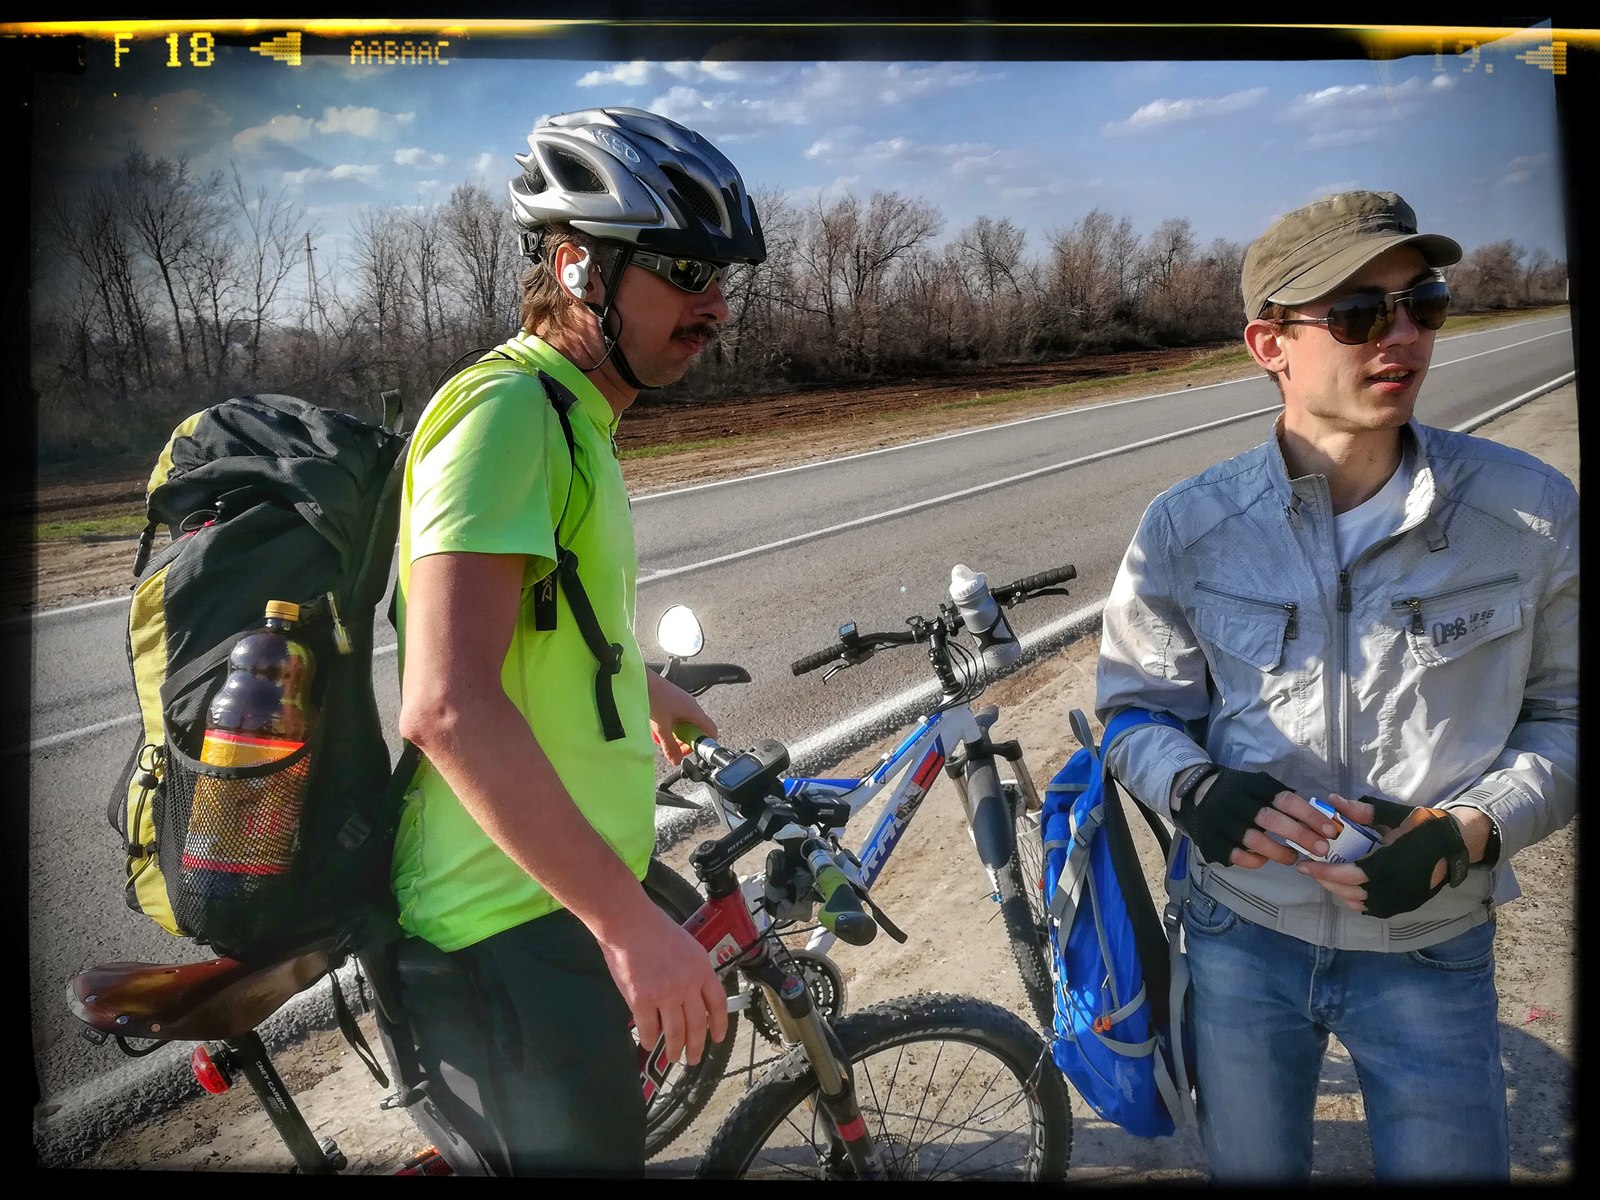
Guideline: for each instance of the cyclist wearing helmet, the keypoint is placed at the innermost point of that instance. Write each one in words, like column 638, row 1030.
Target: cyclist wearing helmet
column 532, row 816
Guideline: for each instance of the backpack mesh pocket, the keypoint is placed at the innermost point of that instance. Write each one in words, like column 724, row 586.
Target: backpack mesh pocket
column 233, row 843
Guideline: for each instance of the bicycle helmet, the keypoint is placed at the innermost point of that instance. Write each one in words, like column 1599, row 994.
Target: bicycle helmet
column 628, row 175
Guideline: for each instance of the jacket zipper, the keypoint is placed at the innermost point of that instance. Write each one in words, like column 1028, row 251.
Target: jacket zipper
column 1292, row 610
column 1415, row 603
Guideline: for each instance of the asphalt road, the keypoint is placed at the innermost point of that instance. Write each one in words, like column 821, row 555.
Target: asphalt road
column 772, row 564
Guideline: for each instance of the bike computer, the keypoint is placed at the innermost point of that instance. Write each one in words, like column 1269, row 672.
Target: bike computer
column 751, row 774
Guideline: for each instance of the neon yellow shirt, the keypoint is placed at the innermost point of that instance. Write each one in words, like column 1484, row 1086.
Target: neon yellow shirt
column 488, row 472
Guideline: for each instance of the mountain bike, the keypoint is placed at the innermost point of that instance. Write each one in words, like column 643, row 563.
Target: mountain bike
column 925, row 1087
column 1002, row 803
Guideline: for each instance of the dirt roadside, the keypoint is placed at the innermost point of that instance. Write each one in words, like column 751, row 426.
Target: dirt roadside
column 936, row 892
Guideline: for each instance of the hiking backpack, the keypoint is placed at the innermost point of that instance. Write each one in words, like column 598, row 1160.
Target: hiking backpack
column 269, row 497
column 266, row 497
column 1120, row 1031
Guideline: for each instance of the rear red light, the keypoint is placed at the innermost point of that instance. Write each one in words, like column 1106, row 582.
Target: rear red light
column 211, row 1076
column 424, row 1162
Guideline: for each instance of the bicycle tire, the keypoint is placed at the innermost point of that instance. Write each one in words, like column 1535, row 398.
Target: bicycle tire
column 907, row 1056
column 1020, row 884
column 686, row 1090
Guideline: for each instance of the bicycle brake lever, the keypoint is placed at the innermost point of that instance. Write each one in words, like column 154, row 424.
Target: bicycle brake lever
column 881, row 917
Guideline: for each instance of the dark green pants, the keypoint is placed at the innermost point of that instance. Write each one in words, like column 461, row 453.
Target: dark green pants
column 526, row 1042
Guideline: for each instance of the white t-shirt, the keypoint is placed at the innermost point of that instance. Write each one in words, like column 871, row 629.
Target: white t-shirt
column 1372, row 519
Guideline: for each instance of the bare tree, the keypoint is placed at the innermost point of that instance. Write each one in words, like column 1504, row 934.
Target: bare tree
column 274, row 230
column 377, row 274
column 1170, row 246
column 169, row 211
column 485, row 257
column 847, row 251
column 91, row 232
column 1489, row 277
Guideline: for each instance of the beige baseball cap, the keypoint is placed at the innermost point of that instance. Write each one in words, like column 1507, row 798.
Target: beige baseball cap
column 1309, row 252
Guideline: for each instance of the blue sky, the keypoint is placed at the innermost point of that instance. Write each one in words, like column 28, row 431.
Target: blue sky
column 1470, row 140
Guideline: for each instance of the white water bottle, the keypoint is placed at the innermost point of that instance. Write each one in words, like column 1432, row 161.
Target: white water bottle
column 983, row 618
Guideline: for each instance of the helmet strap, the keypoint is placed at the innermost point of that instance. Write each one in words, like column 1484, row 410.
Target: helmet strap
column 611, row 278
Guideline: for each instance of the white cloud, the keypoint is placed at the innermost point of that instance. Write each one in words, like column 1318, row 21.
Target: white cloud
column 367, row 173
column 1524, row 167
column 362, row 122
column 1166, row 112
column 416, row 156
column 628, row 74
column 822, row 94
column 284, row 128
column 353, row 121
column 489, row 164
column 1328, row 139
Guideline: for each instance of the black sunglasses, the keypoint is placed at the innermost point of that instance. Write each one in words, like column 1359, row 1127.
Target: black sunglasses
column 1364, row 316
column 690, row 274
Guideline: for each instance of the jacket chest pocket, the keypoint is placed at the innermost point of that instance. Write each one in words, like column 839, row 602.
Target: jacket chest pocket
column 1252, row 629
column 1447, row 625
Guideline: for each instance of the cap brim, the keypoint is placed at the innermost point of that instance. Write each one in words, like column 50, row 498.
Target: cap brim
column 1318, row 281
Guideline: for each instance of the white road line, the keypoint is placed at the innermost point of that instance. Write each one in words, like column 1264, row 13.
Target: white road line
column 931, row 501
column 648, row 496
column 55, row 739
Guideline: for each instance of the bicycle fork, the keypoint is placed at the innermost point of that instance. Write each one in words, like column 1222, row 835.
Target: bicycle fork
column 802, row 1025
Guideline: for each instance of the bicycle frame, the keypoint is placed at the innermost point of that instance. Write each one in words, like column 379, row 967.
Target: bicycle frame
column 912, row 767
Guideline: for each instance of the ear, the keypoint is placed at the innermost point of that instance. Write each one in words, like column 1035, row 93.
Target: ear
column 1265, row 341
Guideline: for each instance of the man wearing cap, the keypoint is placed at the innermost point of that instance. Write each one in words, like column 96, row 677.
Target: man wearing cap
column 1383, row 615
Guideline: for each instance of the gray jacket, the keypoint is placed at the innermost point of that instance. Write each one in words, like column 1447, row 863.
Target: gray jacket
column 1440, row 669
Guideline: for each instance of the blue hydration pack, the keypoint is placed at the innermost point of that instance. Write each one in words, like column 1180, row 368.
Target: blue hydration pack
column 1120, row 1033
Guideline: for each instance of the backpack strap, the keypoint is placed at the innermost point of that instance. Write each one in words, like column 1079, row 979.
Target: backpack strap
column 1176, row 1090
column 607, row 654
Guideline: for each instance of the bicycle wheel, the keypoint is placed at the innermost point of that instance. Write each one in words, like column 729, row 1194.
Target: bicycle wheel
column 686, row 1090
column 950, row 1087
column 1020, row 884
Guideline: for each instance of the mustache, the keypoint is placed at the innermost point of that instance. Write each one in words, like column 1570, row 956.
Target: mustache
column 700, row 329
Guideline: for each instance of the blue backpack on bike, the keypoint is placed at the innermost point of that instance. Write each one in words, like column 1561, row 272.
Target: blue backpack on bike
column 1120, row 1030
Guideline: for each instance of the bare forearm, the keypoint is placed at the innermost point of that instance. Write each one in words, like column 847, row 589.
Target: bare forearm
column 503, row 778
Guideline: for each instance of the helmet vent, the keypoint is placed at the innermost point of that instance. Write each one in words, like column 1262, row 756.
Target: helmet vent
column 578, row 176
column 695, row 196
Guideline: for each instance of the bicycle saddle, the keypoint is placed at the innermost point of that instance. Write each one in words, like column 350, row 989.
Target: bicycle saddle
column 204, row 1001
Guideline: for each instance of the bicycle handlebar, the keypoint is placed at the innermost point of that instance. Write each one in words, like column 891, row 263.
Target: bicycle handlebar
column 863, row 644
column 817, row 658
column 752, row 790
column 841, row 910
column 1034, row 583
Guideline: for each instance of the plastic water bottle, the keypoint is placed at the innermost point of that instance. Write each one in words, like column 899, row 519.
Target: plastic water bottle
column 982, row 616
column 245, row 829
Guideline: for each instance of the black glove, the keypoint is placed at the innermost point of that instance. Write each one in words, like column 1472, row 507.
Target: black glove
column 1219, row 822
column 1399, row 875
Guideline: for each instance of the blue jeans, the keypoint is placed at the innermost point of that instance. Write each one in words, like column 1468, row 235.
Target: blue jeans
column 1421, row 1027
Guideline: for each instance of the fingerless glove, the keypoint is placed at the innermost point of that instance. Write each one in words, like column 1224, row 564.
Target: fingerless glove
column 1219, row 822
column 1399, row 875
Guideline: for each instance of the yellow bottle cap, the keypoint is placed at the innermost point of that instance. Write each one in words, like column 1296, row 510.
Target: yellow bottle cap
column 287, row 609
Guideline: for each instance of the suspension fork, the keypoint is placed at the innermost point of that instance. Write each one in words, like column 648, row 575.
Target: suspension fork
column 724, row 920
column 801, row 1024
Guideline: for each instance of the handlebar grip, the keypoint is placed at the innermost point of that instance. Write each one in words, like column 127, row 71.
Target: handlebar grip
column 687, row 732
column 841, row 910
column 1043, row 579
column 814, row 660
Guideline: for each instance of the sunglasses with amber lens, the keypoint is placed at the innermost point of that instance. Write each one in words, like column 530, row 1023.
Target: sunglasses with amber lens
column 690, row 274
column 1364, row 316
